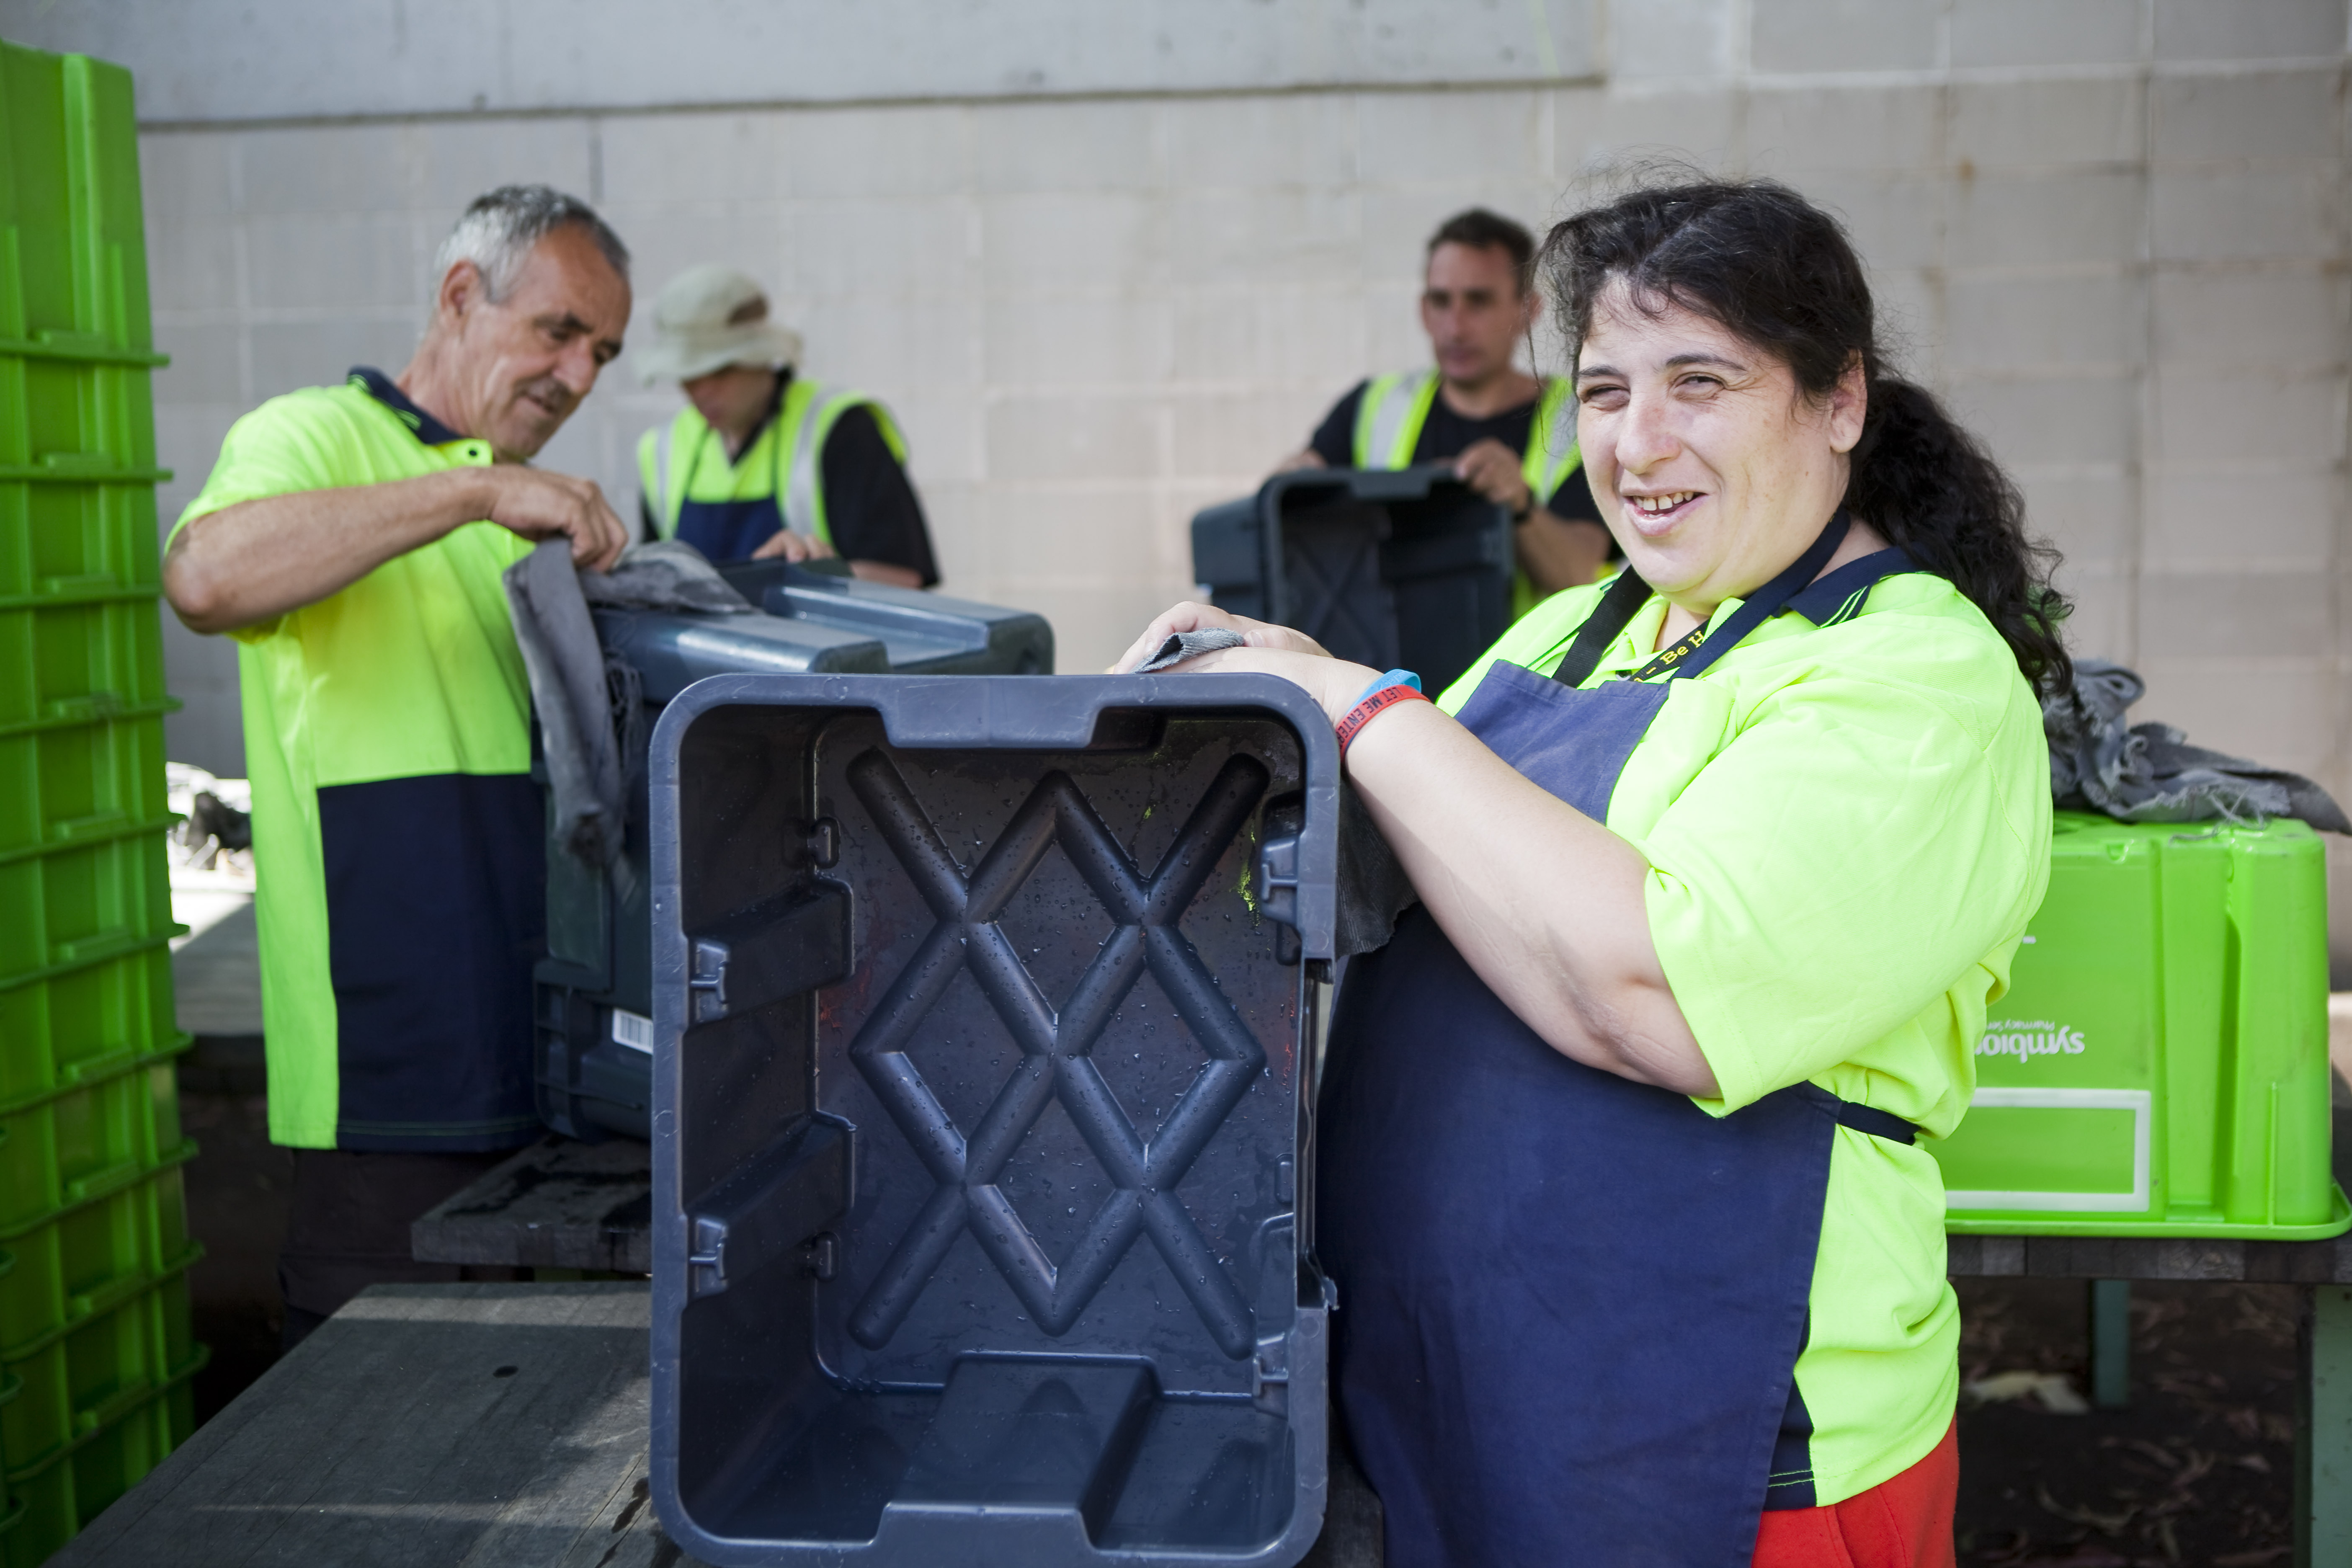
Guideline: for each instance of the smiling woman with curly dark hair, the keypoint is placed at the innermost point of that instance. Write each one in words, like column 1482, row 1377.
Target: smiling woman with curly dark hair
column 1719, row 864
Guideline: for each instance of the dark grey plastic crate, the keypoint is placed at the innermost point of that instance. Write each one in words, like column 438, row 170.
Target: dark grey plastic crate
column 1402, row 567
column 984, row 1014
column 593, row 1037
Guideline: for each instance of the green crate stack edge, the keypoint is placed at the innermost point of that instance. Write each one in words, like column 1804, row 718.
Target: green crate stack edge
column 95, row 1349
column 2160, row 1065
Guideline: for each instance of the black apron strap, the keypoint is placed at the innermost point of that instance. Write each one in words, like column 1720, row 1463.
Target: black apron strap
column 1619, row 604
column 1877, row 1124
column 1769, row 600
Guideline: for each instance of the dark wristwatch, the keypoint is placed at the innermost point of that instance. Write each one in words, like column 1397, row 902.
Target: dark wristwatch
column 1528, row 510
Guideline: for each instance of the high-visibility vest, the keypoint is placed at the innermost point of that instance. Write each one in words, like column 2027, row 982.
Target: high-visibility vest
column 1394, row 408
column 688, row 462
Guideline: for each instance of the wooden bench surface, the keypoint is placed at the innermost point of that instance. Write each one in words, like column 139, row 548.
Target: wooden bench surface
column 480, row 1426
column 474, row 1425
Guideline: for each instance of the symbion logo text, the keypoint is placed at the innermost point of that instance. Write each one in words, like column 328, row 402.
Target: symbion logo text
column 2040, row 1038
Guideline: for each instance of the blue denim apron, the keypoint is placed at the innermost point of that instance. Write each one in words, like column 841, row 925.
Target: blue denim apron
column 728, row 531
column 1571, row 1305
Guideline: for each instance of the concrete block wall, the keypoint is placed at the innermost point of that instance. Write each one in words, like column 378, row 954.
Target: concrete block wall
column 2113, row 232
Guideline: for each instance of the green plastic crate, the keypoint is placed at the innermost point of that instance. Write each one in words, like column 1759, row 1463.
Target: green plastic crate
column 86, row 1378
column 2159, row 1064
column 71, row 784
column 11, row 1508
column 100, row 1407
column 63, row 1272
column 94, row 1325
column 79, row 640
column 81, row 1143
column 81, row 805
column 85, row 1022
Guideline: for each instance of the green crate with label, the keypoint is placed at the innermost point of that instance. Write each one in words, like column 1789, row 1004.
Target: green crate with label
column 2159, row 1063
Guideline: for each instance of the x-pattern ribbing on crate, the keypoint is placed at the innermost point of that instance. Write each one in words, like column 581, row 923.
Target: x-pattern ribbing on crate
column 1304, row 568
column 1056, row 1063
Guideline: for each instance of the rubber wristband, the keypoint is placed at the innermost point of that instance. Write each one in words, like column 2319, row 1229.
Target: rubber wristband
column 1390, row 678
column 1352, row 722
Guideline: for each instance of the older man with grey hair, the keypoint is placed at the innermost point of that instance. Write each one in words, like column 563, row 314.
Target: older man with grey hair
column 350, row 539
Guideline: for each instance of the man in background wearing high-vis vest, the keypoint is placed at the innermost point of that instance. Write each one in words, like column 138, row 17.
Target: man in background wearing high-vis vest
column 1510, row 436
column 352, row 538
column 761, row 463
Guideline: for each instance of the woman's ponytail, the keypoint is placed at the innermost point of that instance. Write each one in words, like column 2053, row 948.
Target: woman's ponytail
column 1928, row 486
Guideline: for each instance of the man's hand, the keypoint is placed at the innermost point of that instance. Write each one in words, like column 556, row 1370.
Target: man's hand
column 1307, row 458
column 793, row 547
column 541, row 505
column 1495, row 471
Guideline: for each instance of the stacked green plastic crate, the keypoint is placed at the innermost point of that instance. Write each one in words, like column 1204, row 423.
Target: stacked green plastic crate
column 94, row 1326
column 2160, row 1065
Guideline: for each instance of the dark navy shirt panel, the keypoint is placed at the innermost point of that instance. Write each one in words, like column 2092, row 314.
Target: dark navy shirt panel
column 436, row 893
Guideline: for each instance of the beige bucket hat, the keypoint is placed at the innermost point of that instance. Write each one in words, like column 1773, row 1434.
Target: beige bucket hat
column 708, row 318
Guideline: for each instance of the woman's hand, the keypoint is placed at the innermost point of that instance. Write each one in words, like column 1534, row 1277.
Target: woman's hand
column 1267, row 649
column 1190, row 616
column 791, row 546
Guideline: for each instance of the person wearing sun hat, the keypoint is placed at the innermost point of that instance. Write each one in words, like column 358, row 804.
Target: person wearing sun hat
column 762, row 462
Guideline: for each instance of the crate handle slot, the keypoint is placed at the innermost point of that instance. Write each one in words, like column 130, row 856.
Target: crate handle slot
column 782, row 1197
column 781, row 947
column 1277, row 878
column 89, row 1304
column 106, row 1412
column 95, row 824
column 95, row 1068
column 100, row 1182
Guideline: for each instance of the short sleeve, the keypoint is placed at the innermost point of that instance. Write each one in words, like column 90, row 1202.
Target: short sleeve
column 870, row 508
column 299, row 442
column 1845, row 861
column 289, row 445
column 1334, row 440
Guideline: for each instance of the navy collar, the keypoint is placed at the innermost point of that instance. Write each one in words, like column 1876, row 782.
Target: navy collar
column 1839, row 596
column 378, row 385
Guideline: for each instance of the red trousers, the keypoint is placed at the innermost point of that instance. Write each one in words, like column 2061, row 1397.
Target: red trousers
column 1906, row 1522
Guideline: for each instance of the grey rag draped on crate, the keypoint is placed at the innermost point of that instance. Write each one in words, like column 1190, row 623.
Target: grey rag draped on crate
column 2150, row 772
column 590, row 705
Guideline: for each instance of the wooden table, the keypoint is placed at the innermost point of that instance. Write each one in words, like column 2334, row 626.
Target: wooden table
column 559, row 1204
column 473, row 1426
column 479, row 1425
column 556, row 1205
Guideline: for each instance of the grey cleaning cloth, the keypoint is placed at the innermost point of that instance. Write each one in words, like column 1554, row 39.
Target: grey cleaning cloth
column 2150, row 772
column 590, row 705
column 568, row 689
column 1181, row 645
column 1373, row 889
column 664, row 575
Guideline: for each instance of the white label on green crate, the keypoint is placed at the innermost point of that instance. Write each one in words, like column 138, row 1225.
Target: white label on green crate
column 2014, row 1141
column 634, row 1030
column 2041, row 1037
